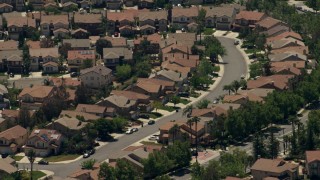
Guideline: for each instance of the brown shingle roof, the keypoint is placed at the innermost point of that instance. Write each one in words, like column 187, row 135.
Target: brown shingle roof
column 91, row 108
column 53, row 52
column 86, row 116
column 292, row 49
column 101, row 70
column 46, row 134
column 130, row 95
column 37, row 91
column 187, row 12
column 13, row 133
column 33, row 44
column 87, row 18
column 55, row 19
column 297, row 64
column 250, row 15
column 153, row 15
column 9, row 45
column 21, row 21
column 81, row 54
column 117, row 42
column 275, row 165
column 268, row 22
column 312, row 156
column 50, row 63
column 163, row 83
column 120, row 16
column 292, row 70
column 10, row 113
column 65, row 81
column 285, row 35
column 71, row 123
column 274, row 81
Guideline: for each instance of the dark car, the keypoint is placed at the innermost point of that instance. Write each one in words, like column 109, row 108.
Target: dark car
column 236, row 42
column 116, row 34
column 43, row 162
column 151, row 122
column 183, row 94
column 73, row 74
column 91, row 151
column 11, row 75
column 144, row 116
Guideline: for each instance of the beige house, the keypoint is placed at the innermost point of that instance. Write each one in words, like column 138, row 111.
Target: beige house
column 313, row 164
column 183, row 16
column 96, row 76
column 277, row 168
column 52, row 23
column 33, row 97
column 50, row 67
column 97, row 110
column 68, row 126
column 156, row 19
column 41, row 56
column 76, row 59
column 11, row 140
column 44, row 142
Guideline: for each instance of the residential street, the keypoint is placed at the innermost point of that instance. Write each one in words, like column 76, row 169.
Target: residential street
column 235, row 66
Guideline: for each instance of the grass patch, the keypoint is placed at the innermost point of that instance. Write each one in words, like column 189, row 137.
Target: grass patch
column 35, row 174
column 216, row 68
column 208, row 31
column 169, row 108
column 62, row 157
column 250, row 51
column 150, row 143
column 154, row 115
column 17, row 158
column 184, row 101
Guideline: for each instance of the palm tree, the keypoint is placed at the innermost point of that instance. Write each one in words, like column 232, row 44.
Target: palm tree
column 188, row 110
column 235, row 86
column 190, row 123
column 174, row 130
column 227, row 88
column 196, row 120
column 31, row 156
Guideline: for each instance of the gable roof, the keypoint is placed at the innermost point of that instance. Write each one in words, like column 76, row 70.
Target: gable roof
column 285, row 35
column 154, row 81
column 277, row 81
column 276, row 29
column 292, row 49
column 120, row 101
column 44, row 52
column 37, row 91
column 116, row 42
column 81, row 54
column 21, row 21
column 219, row 11
column 56, row 81
column 117, row 52
column 187, row 12
column 171, row 75
column 250, row 15
column 86, row 116
column 268, row 22
column 273, row 165
column 101, row 70
column 261, row 92
column 33, row 44
column 46, row 135
column 297, row 64
column 71, row 123
column 91, row 108
column 6, row 166
column 87, row 18
column 130, row 95
column 312, row 156
column 78, row 43
column 284, row 42
column 11, row 55
column 291, row 70
column 8, row 45
column 287, row 56
column 246, row 96
column 50, row 63
column 120, row 16
column 152, row 15
column 55, row 19
column 13, row 133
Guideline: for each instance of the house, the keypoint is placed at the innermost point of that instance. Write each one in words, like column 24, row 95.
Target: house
column 289, row 56
column 115, row 56
column 50, row 67
column 123, row 106
column 89, row 22
column 169, row 75
column 41, row 56
column 3, row 124
column 76, row 59
column 97, row 110
column 85, row 174
column 179, row 39
column 78, row 44
column 117, row 42
column 216, row 110
column 9, row 45
column 68, row 82
column 68, row 126
column 75, row 114
column 220, row 17
column 11, row 61
column 156, row 19
column 96, row 76
column 296, row 64
column 241, row 98
column 276, row 30
column 248, row 19
column 277, row 82
column 7, row 166
column 18, row 25
column 33, row 44
column 276, row 168
column 268, row 23
column 184, row 16
column 12, row 139
column 114, row 4
column 166, row 137
column 313, row 164
column 38, row 4
column 33, row 97
column 12, row 116
column 80, row 33
column 51, row 23
column 284, row 35
column 145, row 4
column 143, row 100
column 69, row 5
column 286, row 70
column 181, row 59
column 286, row 42
column 117, row 20
column 260, row 92
column 44, row 142
column 5, row 8
column 292, row 49
column 61, row 33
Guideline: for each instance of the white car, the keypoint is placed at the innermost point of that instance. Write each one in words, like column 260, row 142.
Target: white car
column 129, row 131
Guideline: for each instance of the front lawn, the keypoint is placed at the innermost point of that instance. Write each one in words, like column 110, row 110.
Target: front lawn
column 62, row 157
column 250, row 51
column 169, row 108
column 208, row 31
column 35, row 174
column 17, row 158
column 154, row 115
column 184, row 101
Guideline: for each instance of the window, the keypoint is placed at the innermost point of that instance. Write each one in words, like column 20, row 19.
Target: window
column 2, row 142
column 224, row 19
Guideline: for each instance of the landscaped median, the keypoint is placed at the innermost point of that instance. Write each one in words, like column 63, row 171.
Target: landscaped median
column 62, row 157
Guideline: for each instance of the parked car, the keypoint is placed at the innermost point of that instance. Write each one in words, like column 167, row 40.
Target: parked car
column 73, row 74
column 129, row 131
column 183, row 30
column 91, row 151
column 11, row 75
column 299, row 114
column 151, row 122
column 215, row 101
column 144, row 116
column 243, row 76
column 135, row 129
column 86, row 155
column 43, row 162
column 183, row 94
column 116, row 34
column 236, row 42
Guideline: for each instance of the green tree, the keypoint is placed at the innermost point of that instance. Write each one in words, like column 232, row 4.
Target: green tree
column 88, row 164
column 125, row 171
column 63, row 50
column 203, row 104
column 259, row 149
column 175, row 100
column 201, row 18
column 24, row 117
column 119, row 123
column 179, row 152
column 106, row 172
column 235, row 86
column 123, row 72
column 82, row 94
column 157, row 105
column 157, row 164
column 31, row 154
column 195, row 120
column 227, row 88
column 197, row 171
column 273, row 146
column 104, row 128
column 143, row 69
column 102, row 43
column 163, row 177
column 87, row 63
column 26, row 59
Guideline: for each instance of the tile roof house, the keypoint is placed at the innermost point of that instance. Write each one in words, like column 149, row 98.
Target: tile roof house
column 120, row 20
column 184, row 16
column 143, row 100
column 12, row 139
column 33, row 97
column 68, row 126
column 287, row 34
column 113, row 56
column 277, row 82
column 41, row 56
column 296, row 64
column 289, row 56
column 80, row 33
column 180, row 39
column 248, row 19
column 12, row 116
column 50, row 67
column 169, row 75
column 68, row 82
column 220, row 17
column 241, row 98
column 313, row 163
column 292, row 49
column 78, row 44
column 96, row 76
column 97, row 110
column 117, row 42
column 286, row 70
column 33, row 44
column 123, row 105
column 51, row 23
column 11, row 61
column 286, row 42
column 75, row 114
column 7, row 166
column 89, row 22
column 276, row 30
column 278, row 168
column 156, row 19
column 44, row 142
column 260, row 92
column 17, row 25
column 76, row 59
column 9, row 45
column 268, row 23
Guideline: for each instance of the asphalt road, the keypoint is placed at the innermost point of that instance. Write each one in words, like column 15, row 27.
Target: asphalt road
column 234, row 67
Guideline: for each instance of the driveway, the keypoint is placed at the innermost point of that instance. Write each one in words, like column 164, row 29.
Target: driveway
column 235, row 66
